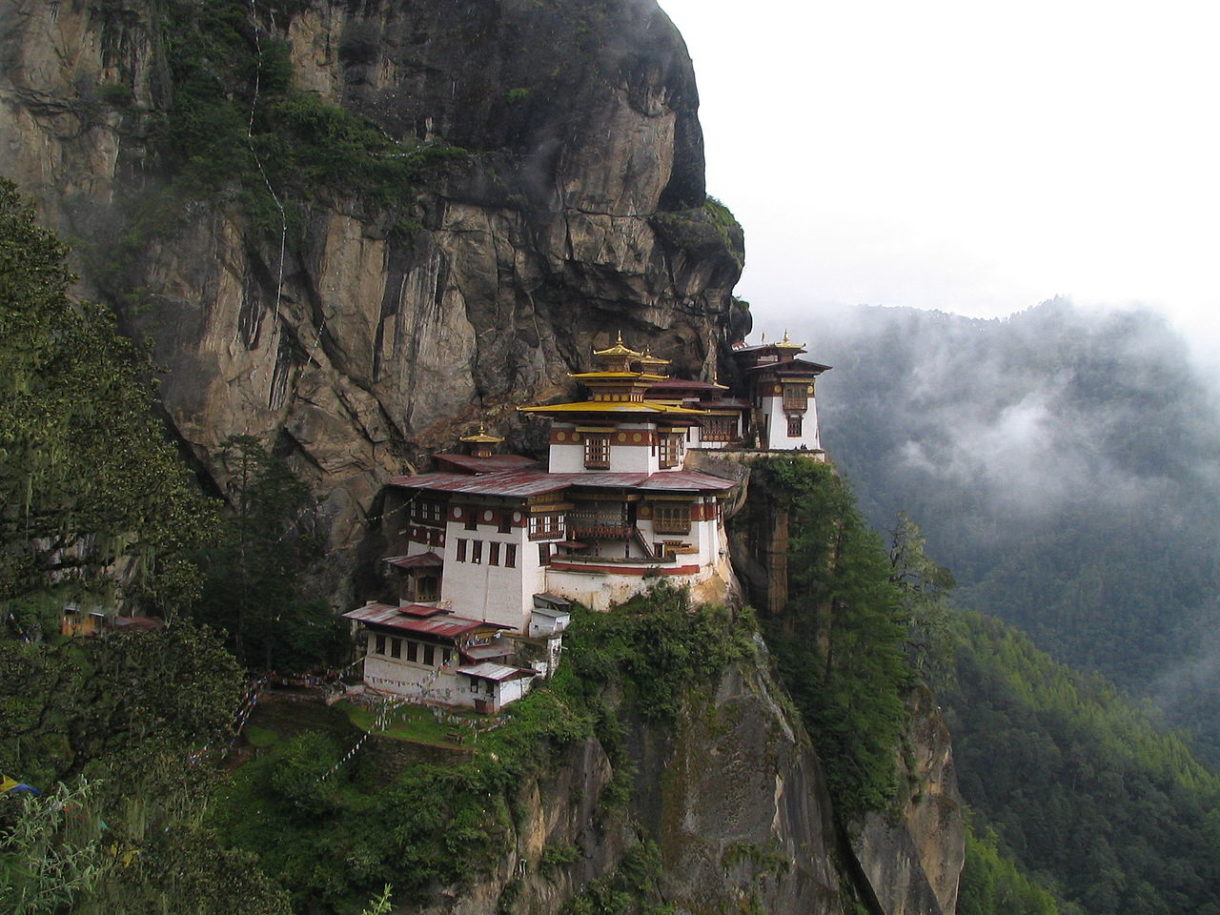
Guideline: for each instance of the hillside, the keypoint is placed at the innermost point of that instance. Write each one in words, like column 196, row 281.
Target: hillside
column 1062, row 463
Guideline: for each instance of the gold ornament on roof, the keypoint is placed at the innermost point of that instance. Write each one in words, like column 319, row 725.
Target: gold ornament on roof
column 482, row 437
column 618, row 350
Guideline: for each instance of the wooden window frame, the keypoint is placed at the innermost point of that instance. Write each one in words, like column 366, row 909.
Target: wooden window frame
column 597, row 450
column 671, row 517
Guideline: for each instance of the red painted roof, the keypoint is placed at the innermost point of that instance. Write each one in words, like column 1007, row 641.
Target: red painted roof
column 519, row 483
column 493, row 464
column 791, row 366
column 443, row 627
column 420, row 561
column 524, row 483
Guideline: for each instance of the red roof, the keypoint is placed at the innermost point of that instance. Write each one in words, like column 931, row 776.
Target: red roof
column 443, row 627
column 420, row 561
column 525, row 483
column 520, row 483
column 493, row 464
column 791, row 366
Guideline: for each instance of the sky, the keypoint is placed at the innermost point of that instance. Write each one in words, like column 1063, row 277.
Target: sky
column 976, row 157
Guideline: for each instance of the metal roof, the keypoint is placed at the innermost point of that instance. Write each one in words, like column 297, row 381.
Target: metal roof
column 790, row 365
column 496, row 672
column 444, row 627
column 525, row 483
column 518, row 483
column 492, row 464
column 420, row 561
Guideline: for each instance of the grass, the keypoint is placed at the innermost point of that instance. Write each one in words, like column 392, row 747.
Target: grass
column 411, row 722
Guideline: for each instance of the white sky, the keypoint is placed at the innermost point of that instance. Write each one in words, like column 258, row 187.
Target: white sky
column 978, row 157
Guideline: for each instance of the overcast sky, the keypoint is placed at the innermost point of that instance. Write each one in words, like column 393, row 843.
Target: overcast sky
column 977, row 157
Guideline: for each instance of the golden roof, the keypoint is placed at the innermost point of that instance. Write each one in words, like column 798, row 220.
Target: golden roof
column 617, row 376
column 611, row 406
column 786, row 343
column 618, row 349
column 649, row 359
column 482, row 437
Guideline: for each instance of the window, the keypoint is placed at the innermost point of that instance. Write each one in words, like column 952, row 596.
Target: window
column 428, row 512
column 795, row 424
column 510, row 555
column 476, row 551
column 379, row 645
column 671, row 449
column 413, row 652
column 461, row 551
column 506, row 522
column 719, row 428
column 472, row 520
column 429, row 655
column 446, row 656
column 671, row 517
column 548, row 526
column 427, row 588
column 493, row 553
column 796, row 396
column 395, row 648
column 544, row 553
column 597, row 450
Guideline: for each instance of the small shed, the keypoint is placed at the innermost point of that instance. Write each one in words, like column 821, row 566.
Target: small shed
column 496, row 685
column 550, row 616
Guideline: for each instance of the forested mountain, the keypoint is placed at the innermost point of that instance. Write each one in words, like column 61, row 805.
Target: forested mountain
column 1064, row 464
column 1077, row 783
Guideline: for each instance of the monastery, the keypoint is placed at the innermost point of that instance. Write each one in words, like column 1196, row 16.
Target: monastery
column 490, row 550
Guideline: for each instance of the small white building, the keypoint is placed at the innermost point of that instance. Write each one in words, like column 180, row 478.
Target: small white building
column 428, row 654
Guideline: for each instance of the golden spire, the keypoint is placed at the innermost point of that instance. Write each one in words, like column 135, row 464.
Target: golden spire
column 482, row 437
column 618, row 350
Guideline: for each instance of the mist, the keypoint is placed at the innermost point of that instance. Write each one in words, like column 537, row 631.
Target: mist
column 1064, row 462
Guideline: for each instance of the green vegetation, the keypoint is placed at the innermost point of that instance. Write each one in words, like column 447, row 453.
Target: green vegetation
column 87, row 480
column 839, row 644
column 336, row 832
column 992, row 885
column 255, row 578
column 134, row 715
column 633, row 887
column 1064, row 463
column 238, row 130
column 1082, row 788
column 711, row 227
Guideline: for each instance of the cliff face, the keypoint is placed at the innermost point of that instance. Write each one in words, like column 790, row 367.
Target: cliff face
column 363, row 337
column 733, row 799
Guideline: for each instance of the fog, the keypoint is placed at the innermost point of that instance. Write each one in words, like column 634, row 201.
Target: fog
column 1065, row 463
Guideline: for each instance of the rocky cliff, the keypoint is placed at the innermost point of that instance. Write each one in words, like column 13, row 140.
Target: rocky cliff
column 734, row 800
column 353, row 324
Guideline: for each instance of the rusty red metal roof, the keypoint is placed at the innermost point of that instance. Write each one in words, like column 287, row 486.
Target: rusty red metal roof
column 419, row 561
column 791, row 366
column 525, row 483
column 442, row 627
column 468, row 463
column 521, row 483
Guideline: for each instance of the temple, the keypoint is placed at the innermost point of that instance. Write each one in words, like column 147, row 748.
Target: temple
column 494, row 547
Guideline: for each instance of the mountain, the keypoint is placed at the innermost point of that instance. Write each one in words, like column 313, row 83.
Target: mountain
column 1065, row 464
